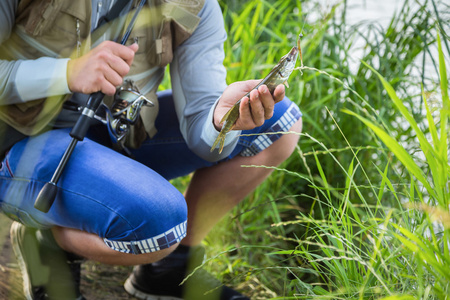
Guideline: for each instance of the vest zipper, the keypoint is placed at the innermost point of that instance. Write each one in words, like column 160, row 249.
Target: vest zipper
column 99, row 9
column 78, row 38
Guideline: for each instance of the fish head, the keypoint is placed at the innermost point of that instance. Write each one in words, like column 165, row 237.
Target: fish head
column 287, row 62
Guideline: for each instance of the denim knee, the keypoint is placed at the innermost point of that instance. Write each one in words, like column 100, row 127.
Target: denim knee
column 146, row 225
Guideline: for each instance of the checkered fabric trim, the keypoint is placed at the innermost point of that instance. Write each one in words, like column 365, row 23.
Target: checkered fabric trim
column 162, row 241
column 266, row 139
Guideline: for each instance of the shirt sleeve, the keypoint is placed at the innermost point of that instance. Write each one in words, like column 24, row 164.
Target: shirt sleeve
column 198, row 80
column 25, row 80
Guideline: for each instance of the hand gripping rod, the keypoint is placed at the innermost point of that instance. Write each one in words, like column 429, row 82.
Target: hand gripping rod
column 47, row 195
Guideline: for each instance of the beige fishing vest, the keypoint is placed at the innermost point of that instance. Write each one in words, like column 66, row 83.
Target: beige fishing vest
column 61, row 28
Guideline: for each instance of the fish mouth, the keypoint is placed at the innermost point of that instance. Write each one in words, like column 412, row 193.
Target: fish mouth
column 294, row 51
column 293, row 54
column 292, row 58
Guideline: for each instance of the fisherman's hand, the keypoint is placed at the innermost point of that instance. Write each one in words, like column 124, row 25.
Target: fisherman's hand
column 101, row 69
column 252, row 112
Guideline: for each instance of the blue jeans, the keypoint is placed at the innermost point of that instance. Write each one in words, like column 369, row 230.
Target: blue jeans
column 128, row 202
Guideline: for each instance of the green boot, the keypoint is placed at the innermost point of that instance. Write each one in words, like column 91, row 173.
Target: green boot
column 48, row 272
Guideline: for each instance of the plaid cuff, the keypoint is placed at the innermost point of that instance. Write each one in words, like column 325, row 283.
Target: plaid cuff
column 266, row 138
column 156, row 243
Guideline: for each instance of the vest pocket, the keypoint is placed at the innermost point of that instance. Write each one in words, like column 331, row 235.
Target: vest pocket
column 70, row 23
column 41, row 16
column 159, row 47
column 58, row 24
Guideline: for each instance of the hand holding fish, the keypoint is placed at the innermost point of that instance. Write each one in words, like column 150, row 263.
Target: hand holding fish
column 250, row 116
column 253, row 110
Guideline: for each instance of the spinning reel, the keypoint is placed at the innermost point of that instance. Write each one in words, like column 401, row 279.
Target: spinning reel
column 123, row 112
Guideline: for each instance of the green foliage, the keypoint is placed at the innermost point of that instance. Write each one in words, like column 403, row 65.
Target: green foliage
column 361, row 209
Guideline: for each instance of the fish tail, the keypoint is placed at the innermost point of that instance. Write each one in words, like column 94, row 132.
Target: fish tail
column 222, row 143
column 225, row 120
column 220, row 138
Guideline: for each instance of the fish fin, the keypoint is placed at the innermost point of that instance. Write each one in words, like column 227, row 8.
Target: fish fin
column 286, row 84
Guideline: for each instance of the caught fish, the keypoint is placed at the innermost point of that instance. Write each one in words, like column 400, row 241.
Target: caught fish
column 278, row 75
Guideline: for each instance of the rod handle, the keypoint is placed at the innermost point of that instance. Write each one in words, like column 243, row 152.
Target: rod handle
column 83, row 123
column 80, row 128
column 46, row 197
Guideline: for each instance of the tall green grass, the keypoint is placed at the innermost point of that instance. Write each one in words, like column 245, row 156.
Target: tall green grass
column 361, row 209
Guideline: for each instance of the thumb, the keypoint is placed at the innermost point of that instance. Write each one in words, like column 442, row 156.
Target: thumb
column 134, row 47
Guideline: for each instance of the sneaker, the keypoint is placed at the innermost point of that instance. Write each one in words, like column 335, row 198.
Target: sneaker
column 48, row 272
column 161, row 280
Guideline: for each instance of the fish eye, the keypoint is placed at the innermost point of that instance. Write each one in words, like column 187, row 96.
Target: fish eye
column 288, row 58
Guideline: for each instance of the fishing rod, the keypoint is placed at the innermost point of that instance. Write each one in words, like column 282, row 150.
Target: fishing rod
column 47, row 195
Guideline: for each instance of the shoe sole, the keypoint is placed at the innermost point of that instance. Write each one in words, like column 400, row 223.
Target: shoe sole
column 141, row 295
column 14, row 232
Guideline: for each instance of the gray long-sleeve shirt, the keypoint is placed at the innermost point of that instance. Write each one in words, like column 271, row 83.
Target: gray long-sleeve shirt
column 197, row 73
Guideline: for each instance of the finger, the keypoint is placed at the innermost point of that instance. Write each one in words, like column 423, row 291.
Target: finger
column 105, row 60
column 250, row 84
column 134, row 47
column 107, row 88
column 240, row 88
column 127, row 54
column 257, row 108
column 279, row 93
column 245, row 114
column 118, row 65
column 113, row 77
column 124, row 52
column 267, row 101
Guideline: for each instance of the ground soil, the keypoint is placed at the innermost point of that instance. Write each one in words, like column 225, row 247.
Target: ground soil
column 98, row 281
